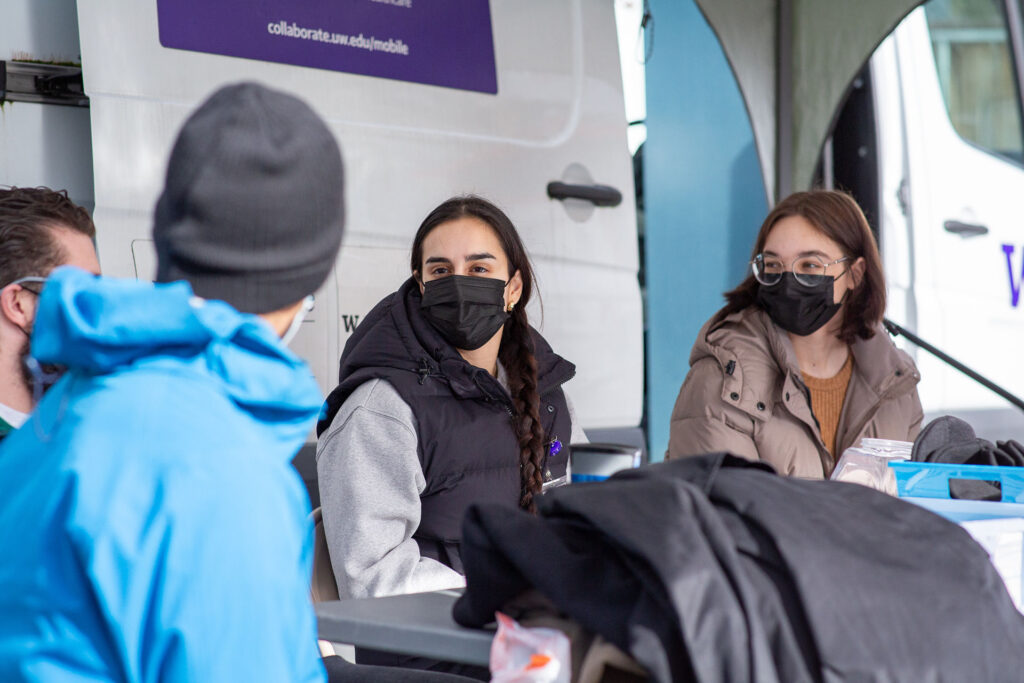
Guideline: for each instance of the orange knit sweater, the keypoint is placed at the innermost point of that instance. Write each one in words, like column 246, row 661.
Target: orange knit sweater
column 827, row 396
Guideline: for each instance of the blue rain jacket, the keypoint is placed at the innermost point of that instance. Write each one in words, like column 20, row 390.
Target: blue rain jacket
column 151, row 525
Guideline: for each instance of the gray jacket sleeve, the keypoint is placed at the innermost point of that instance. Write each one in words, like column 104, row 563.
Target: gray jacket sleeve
column 370, row 483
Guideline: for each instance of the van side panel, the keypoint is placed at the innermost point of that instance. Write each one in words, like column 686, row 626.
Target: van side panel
column 407, row 147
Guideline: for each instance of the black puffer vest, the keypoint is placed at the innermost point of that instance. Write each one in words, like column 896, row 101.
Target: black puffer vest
column 467, row 443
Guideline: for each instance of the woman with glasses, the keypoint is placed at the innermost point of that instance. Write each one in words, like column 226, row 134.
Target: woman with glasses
column 796, row 367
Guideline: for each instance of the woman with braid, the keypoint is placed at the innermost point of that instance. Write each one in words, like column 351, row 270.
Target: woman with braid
column 447, row 397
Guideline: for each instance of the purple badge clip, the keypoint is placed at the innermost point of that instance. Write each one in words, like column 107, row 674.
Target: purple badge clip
column 555, row 448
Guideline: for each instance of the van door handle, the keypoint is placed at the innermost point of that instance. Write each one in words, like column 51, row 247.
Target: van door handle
column 598, row 195
column 965, row 229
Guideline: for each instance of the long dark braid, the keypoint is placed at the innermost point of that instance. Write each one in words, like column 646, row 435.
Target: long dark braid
column 516, row 352
column 516, row 355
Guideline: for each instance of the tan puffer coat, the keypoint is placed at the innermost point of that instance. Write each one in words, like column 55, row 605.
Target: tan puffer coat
column 744, row 394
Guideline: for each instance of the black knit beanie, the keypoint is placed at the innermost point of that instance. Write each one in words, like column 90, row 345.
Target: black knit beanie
column 252, row 209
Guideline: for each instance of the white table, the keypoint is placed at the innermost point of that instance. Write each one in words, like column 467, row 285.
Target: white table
column 419, row 624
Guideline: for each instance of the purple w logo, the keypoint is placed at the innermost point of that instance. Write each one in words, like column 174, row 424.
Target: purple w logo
column 1014, row 283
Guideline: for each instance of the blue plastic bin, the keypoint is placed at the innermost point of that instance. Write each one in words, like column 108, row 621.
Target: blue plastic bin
column 927, row 485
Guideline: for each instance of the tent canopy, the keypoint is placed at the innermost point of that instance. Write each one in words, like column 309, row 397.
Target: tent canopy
column 794, row 61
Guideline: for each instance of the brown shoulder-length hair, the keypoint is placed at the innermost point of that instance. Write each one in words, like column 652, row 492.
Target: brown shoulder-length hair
column 837, row 216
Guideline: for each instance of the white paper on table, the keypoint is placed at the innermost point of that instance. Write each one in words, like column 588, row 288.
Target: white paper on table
column 1003, row 540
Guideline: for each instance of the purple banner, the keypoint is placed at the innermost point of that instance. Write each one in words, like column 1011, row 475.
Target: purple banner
column 437, row 42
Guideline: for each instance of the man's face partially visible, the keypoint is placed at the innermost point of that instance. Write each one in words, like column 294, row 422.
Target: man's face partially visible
column 78, row 251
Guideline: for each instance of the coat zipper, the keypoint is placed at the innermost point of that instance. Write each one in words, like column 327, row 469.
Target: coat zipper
column 874, row 410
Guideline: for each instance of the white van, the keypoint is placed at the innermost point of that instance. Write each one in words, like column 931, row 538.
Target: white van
column 930, row 141
column 501, row 100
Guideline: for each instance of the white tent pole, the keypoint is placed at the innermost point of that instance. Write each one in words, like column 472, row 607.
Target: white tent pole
column 1015, row 26
column 784, row 99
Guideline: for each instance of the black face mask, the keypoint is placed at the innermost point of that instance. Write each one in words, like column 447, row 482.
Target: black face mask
column 799, row 308
column 466, row 310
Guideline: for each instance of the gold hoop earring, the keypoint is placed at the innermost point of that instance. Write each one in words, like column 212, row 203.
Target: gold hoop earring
column 511, row 305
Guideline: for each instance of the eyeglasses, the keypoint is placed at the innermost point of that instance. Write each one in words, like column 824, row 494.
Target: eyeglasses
column 768, row 270
column 31, row 279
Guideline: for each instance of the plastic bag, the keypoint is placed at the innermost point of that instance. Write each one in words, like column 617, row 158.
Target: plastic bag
column 888, row 447
column 529, row 655
column 868, row 464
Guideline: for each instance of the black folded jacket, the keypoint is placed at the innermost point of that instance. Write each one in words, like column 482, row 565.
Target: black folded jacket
column 948, row 439
column 714, row 568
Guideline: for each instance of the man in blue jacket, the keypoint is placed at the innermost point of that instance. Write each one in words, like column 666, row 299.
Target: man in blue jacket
column 151, row 525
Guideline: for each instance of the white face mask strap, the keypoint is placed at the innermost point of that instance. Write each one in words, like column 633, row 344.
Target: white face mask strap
column 31, row 279
column 293, row 329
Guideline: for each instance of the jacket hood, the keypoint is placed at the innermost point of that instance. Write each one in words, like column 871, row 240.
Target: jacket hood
column 396, row 336
column 97, row 326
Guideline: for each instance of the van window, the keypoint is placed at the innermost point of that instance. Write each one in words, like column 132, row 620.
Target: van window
column 973, row 60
